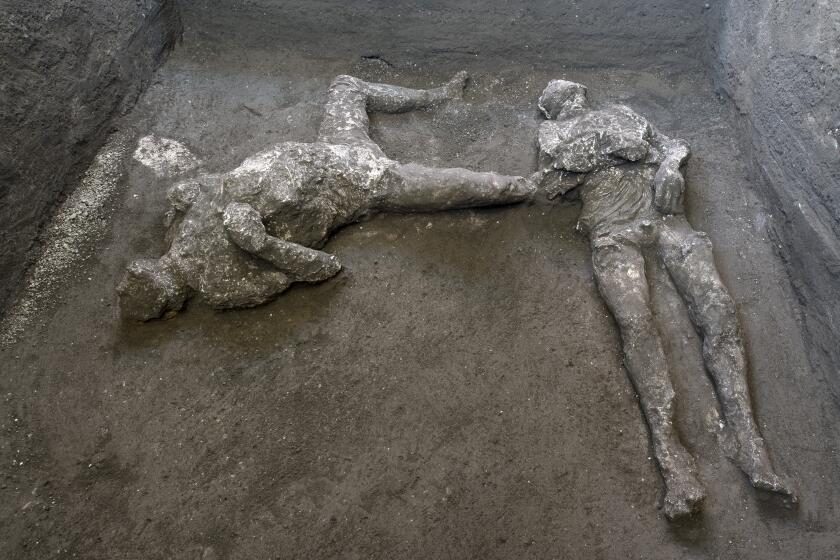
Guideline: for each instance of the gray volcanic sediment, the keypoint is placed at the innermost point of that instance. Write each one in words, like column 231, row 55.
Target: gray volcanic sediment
column 457, row 391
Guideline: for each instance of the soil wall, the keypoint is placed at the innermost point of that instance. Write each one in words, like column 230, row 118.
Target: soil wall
column 584, row 33
column 779, row 61
column 67, row 68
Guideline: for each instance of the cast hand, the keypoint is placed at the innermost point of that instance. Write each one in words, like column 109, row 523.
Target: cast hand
column 668, row 186
column 456, row 85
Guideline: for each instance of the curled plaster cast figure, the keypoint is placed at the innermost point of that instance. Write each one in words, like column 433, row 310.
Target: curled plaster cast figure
column 242, row 237
column 630, row 181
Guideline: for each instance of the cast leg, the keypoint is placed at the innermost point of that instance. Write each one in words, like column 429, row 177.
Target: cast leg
column 687, row 255
column 349, row 100
column 620, row 271
column 345, row 118
column 386, row 98
column 416, row 188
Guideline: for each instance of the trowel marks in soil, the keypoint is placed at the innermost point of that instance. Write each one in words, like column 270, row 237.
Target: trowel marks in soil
column 70, row 238
column 164, row 156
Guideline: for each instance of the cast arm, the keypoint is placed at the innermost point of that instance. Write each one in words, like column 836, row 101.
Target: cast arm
column 668, row 184
column 554, row 182
column 245, row 227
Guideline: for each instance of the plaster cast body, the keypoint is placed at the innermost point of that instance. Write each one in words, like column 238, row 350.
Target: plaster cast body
column 242, row 237
column 631, row 187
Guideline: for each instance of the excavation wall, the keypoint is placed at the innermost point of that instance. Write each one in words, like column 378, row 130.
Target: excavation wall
column 67, row 68
column 779, row 61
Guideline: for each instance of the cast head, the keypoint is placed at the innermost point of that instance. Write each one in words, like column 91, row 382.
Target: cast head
column 149, row 290
column 561, row 97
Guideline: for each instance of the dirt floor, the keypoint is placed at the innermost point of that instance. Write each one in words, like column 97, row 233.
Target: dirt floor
column 457, row 392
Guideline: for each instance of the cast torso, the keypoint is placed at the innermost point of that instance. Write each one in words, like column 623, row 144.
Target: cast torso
column 617, row 195
column 304, row 191
column 610, row 145
column 596, row 139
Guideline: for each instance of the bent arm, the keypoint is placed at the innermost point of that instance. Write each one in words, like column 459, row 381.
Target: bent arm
column 554, row 182
column 665, row 150
column 669, row 183
column 302, row 264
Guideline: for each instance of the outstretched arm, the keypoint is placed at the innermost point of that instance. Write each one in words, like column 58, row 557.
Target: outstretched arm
column 416, row 188
column 302, row 264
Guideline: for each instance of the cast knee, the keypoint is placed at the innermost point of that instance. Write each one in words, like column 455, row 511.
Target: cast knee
column 718, row 320
column 679, row 245
column 659, row 409
column 635, row 325
column 345, row 82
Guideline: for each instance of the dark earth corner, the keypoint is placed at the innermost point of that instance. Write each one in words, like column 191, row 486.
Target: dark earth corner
column 69, row 69
column 458, row 389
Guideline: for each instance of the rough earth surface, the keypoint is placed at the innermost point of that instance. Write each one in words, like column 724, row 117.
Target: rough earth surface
column 67, row 67
column 779, row 62
column 457, row 391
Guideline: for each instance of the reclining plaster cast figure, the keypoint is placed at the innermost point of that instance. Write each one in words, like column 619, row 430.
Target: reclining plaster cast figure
column 242, row 237
column 631, row 186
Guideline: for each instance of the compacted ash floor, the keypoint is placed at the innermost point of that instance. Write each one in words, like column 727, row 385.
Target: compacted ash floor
column 456, row 392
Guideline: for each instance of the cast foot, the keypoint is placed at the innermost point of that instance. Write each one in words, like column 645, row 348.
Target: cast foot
column 683, row 497
column 455, row 87
column 771, row 482
column 755, row 463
